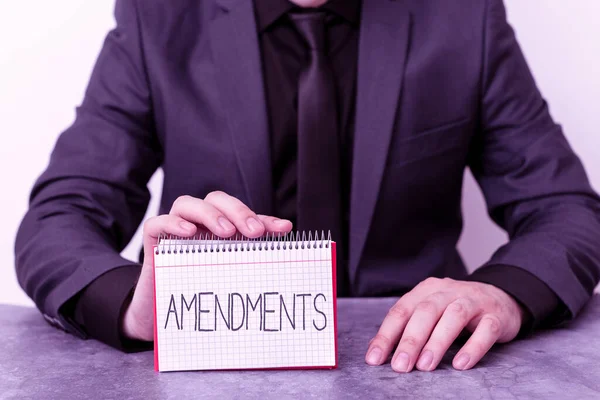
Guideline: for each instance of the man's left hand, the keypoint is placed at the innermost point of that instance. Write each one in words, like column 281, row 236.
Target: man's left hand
column 423, row 324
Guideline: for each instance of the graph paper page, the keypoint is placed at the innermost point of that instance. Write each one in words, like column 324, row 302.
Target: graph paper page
column 269, row 308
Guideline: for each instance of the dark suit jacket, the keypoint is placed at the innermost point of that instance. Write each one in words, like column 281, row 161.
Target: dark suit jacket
column 442, row 85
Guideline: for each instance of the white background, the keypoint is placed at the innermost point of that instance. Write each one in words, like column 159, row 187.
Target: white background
column 47, row 50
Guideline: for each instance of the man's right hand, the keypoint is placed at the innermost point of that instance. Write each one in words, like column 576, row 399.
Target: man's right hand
column 218, row 213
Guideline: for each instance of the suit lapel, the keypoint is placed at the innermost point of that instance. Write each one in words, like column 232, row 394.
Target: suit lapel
column 384, row 39
column 234, row 42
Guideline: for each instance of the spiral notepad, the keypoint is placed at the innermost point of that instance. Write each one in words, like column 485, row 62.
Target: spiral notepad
column 245, row 303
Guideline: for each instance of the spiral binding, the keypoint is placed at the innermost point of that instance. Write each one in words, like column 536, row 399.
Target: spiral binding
column 209, row 243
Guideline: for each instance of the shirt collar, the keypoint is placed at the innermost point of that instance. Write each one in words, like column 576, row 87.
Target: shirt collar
column 269, row 11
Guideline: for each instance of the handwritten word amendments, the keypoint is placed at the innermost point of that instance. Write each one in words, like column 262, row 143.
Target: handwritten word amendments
column 268, row 312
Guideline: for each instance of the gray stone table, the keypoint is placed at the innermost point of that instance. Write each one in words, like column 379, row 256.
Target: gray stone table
column 38, row 361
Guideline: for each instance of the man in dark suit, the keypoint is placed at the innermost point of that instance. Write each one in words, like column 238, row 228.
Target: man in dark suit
column 359, row 117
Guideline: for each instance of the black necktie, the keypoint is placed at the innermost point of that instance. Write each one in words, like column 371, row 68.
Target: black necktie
column 319, row 179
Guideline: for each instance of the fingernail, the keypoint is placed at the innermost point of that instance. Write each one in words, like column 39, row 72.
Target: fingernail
column 425, row 360
column 253, row 224
column 281, row 221
column 401, row 362
column 462, row 361
column 187, row 226
column 374, row 356
column 225, row 224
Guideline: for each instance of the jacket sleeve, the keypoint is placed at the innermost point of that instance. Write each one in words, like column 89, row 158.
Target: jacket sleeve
column 534, row 184
column 88, row 203
column 540, row 303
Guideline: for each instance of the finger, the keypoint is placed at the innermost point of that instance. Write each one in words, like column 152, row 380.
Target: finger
column 454, row 319
column 382, row 345
column 164, row 224
column 275, row 225
column 481, row 341
column 244, row 219
column 167, row 224
column 203, row 213
column 418, row 329
column 142, row 298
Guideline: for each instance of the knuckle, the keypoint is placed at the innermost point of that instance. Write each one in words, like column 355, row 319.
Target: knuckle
column 409, row 341
column 148, row 224
column 496, row 306
column 438, row 298
column 475, row 290
column 382, row 340
column 398, row 311
column 242, row 209
column 431, row 281
column 458, row 310
column 181, row 200
column 215, row 195
column 492, row 324
column 427, row 307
